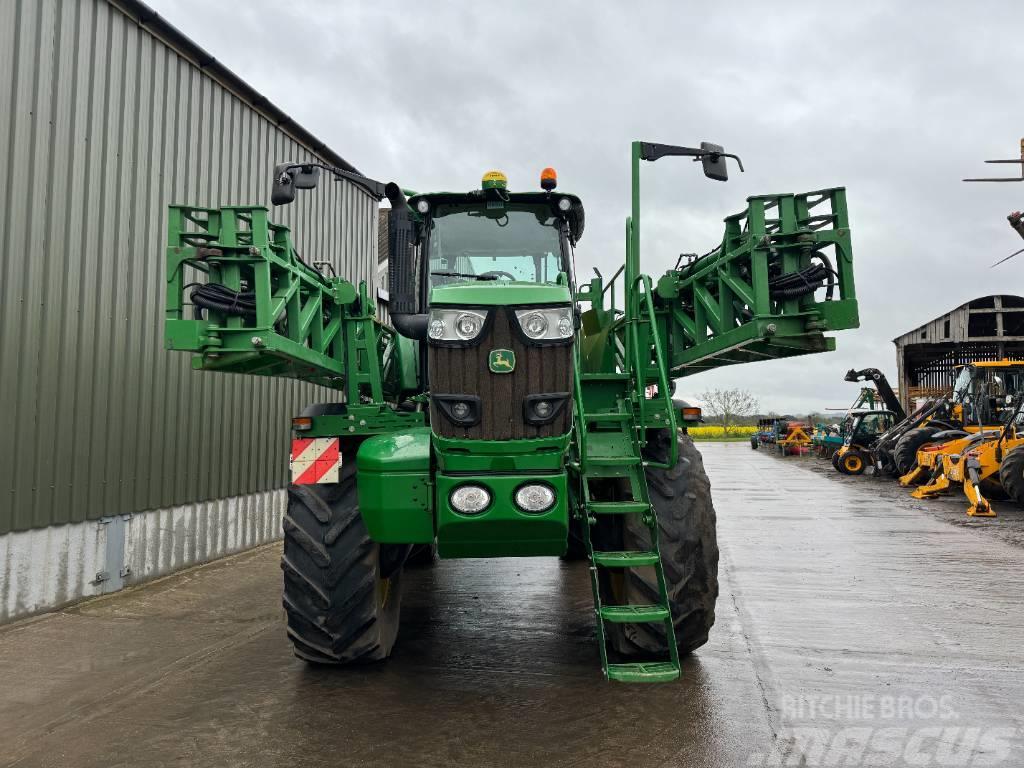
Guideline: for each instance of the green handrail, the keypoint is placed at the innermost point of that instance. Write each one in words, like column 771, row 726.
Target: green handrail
column 644, row 300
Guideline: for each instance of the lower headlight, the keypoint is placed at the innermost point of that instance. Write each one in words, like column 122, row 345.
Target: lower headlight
column 535, row 497
column 470, row 499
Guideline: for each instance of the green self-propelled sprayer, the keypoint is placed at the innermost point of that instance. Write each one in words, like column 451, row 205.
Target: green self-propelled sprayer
column 507, row 408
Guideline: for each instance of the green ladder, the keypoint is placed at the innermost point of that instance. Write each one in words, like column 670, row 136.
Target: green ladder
column 609, row 448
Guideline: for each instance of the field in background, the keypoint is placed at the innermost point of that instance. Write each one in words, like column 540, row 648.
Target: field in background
column 719, row 433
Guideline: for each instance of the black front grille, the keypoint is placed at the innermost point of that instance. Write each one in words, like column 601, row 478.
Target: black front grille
column 465, row 371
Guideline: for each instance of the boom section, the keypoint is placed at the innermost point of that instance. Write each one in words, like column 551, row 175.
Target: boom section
column 242, row 300
column 781, row 279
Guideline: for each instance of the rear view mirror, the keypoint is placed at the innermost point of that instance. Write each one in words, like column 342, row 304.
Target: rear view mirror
column 282, row 191
column 714, row 161
column 288, row 177
column 306, row 176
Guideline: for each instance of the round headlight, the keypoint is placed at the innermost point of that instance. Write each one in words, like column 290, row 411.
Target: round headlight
column 564, row 204
column 467, row 326
column 460, row 410
column 436, row 330
column 470, row 499
column 564, row 327
column 535, row 325
column 535, row 497
column 542, row 409
column 422, row 206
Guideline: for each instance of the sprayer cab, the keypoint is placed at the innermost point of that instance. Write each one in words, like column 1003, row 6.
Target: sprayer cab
column 488, row 242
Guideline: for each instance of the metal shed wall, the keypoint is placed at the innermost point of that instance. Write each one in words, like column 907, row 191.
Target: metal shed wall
column 105, row 124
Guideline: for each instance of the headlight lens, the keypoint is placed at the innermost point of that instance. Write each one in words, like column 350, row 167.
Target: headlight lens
column 535, row 497
column 468, row 326
column 455, row 324
column 535, row 325
column 470, row 499
column 546, row 323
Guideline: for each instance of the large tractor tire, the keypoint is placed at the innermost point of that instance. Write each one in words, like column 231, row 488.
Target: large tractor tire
column 342, row 591
column 853, row 462
column 689, row 554
column 904, row 454
column 1011, row 474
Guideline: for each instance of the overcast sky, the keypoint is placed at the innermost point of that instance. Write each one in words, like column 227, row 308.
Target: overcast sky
column 897, row 107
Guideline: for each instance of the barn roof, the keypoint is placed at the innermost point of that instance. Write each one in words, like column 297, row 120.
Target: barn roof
column 956, row 324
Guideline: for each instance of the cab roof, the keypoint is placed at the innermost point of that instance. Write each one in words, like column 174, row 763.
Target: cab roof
column 575, row 216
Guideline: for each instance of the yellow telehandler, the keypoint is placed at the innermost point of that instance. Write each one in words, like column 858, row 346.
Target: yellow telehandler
column 989, row 463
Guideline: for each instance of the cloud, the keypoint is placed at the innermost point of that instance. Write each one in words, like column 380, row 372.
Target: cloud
column 895, row 102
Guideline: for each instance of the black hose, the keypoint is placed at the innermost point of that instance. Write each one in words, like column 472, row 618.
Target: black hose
column 218, row 298
column 794, row 285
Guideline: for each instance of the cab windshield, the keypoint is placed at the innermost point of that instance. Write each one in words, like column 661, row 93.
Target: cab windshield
column 987, row 393
column 874, row 423
column 522, row 244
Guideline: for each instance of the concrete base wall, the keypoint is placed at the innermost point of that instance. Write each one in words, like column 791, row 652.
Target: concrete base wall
column 50, row 567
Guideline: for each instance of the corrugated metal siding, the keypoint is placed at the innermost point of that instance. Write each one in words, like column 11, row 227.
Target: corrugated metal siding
column 104, row 127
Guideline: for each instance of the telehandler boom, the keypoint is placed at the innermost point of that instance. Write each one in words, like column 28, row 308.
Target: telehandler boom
column 508, row 409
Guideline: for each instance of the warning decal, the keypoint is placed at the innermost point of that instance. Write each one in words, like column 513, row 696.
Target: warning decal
column 315, row 460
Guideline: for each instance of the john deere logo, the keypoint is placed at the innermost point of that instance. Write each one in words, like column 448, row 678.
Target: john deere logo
column 502, row 361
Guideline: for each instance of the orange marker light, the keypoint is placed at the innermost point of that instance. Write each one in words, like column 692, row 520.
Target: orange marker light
column 548, row 179
column 691, row 414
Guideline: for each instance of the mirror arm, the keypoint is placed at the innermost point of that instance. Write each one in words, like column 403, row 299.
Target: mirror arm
column 368, row 185
column 651, row 152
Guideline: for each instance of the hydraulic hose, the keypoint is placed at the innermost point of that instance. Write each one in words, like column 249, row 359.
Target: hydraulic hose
column 794, row 285
column 216, row 297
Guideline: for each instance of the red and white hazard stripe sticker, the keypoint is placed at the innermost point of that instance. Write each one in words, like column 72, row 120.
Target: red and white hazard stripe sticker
column 315, row 460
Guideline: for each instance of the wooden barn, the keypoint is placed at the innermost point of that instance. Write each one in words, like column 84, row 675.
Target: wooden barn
column 986, row 328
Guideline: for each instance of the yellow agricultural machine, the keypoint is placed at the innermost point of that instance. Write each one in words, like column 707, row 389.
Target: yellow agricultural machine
column 987, row 397
column 796, row 440
column 981, row 397
column 986, row 464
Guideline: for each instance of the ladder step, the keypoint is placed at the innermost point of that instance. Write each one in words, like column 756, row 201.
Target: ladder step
column 605, row 376
column 614, row 461
column 633, row 614
column 645, row 672
column 610, row 416
column 617, row 507
column 624, row 559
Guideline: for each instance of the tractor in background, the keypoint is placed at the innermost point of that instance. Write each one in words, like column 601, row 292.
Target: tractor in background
column 866, row 422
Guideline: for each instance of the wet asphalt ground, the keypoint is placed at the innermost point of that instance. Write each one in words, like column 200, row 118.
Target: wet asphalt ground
column 855, row 626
